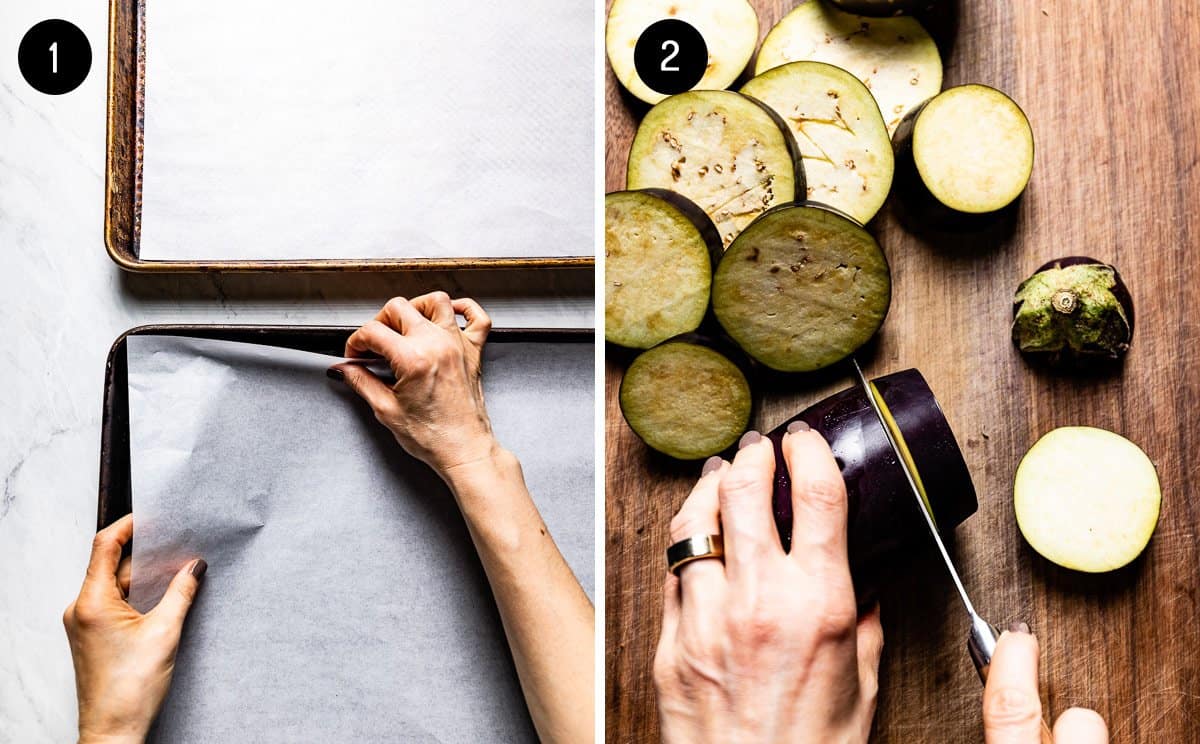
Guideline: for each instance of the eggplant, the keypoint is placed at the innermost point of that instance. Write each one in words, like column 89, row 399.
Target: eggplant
column 659, row 254
column 802, row 288
column 848, row 161
column 895, row 58
column 885, row 520
column 727, row 152
column 884, row 8
column 729, row 29
column 1074, row 312
column 1087, row 499
column 968, row 150
column 686, row 398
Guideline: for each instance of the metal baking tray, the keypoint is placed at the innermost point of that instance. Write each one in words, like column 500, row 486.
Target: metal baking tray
column 123, row 178
column 115, row 496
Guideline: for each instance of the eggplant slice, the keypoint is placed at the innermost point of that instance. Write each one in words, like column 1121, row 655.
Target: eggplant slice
column 686, row 400
column 659, row 253
column 894, row 57
column 802, row 288
column 972, row 148
column 884, row 8
column 848, row 161
column 729, row 28
column 1087, row 499
column 727, row 152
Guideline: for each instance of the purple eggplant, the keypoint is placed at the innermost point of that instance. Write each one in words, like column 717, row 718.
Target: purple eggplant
column 1074, row 312
column 885, row 521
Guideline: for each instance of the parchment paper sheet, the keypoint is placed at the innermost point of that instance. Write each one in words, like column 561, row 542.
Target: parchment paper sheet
column 343, row 600
column 310, row 129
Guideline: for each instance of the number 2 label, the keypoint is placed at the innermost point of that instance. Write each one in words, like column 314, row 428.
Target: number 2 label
column 674, row 45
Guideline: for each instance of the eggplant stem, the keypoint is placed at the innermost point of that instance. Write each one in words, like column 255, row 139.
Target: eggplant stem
column 1064, row 301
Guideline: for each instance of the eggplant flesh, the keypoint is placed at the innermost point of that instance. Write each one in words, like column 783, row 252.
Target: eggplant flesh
column 729, row 29
column 659, row 253
column 802, row 288
column 971, row 147
column 848, row 161
column 1073, row 312
column 895, row 58
column 685, row 399
column 884, row 519
column 1087, row 499
column 726, row 152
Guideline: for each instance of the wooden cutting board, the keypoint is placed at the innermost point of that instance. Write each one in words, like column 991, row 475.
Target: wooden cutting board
column 1113, row 94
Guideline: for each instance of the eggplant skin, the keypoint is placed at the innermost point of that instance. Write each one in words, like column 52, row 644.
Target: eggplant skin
column 883, row 8
column 1073, row 312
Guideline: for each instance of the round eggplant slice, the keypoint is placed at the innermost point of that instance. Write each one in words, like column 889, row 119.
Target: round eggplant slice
column 848, row 161
column 972, row 148
column 659, row 252
column 894, row 57
column 727, row 152
column 1087, row 499
column 729, row 29
column 1073, row 312
column 802, row 288
column 686, row 400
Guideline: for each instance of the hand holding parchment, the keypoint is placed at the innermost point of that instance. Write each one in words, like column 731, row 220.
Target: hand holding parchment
column 123, row 659
column 435, row 409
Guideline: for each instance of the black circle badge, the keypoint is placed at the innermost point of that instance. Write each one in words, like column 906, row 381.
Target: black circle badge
column 54, row 56
column 670, row 56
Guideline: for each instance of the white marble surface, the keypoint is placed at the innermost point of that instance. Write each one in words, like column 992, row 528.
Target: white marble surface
column 63, row 304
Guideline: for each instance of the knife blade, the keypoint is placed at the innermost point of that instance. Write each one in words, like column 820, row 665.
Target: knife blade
column 981, row 641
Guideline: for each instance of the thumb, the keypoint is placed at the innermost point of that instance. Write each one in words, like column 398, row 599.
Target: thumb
column 1012, row 710
column 365, row 384
column 181, row 593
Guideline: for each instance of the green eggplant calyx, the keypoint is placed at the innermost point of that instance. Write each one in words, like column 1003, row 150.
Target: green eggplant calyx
column 1071, row 311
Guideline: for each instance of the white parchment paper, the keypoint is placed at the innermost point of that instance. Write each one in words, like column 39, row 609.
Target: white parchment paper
column 311, row 129
column 343, row 600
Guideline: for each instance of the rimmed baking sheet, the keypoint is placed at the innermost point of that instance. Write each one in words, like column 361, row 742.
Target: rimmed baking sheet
column 343, row 599
column 252, row 136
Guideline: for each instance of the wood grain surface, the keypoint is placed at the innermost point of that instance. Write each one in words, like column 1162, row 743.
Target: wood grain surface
column 1114, row 99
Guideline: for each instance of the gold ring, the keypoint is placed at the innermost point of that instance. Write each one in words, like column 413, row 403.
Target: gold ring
column 695, row 548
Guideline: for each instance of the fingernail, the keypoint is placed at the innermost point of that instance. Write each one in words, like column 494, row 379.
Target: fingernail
column 749, row 438
column 798, row 425
column 1018, row 628
column 334, row 373
column 199, row 567
column 711, row 465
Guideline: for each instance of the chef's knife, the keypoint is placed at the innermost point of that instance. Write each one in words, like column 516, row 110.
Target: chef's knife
column 981, row 640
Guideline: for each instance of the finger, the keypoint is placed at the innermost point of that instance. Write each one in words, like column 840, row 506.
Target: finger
column 181, row 593
column 1080, row 726
column 746, row 516
column 1012, row 711
column 436, row 306
column 401, row 316
column 478, row 322
column 818, row 501
column 703, row 580
column 375, row 338
column 106, row 551
column 671, row 610
column 124, row 572
column 378, row 395
column 870, row 650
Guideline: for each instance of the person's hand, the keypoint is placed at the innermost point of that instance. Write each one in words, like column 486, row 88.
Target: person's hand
column 123, row 659
column 435, row 409
column 767, row 647
column 1012, row 708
